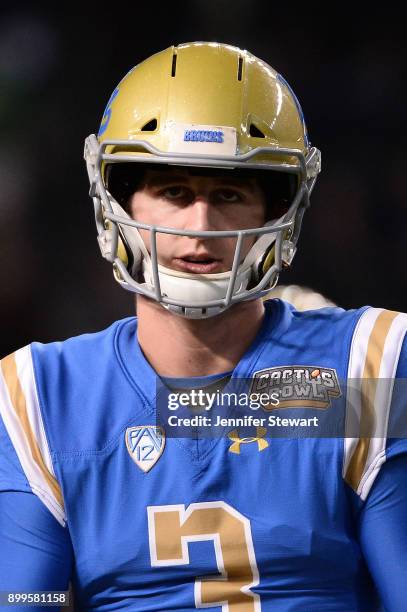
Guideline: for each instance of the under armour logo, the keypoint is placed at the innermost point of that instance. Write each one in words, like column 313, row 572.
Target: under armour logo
column 234, row 437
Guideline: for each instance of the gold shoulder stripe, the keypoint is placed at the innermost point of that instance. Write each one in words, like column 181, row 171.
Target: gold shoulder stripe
column 371, row 370
column 9, row 368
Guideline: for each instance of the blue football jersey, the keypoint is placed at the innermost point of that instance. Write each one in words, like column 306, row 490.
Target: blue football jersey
column 258, row 517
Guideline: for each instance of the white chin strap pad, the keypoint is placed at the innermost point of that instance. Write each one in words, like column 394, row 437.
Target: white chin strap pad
column 194, row 288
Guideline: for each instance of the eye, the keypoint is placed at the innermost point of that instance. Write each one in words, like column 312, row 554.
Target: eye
column 229, row 196
column 175, row 192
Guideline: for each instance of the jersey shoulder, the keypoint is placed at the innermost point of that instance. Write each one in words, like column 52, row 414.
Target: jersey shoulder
column 38, row 387
column 315, row 333
column 368, row 347
column 375, row 401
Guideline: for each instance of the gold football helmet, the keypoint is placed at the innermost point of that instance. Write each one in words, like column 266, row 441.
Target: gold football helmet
column 206, row 105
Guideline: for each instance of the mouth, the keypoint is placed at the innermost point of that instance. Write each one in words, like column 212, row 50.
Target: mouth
column 198, row 264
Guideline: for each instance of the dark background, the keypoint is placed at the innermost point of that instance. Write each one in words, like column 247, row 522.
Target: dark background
column 57, row 71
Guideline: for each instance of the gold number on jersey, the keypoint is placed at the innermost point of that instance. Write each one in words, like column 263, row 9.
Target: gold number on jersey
column 172, row 527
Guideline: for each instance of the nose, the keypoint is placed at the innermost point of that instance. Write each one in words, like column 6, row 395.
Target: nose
column 200, row 215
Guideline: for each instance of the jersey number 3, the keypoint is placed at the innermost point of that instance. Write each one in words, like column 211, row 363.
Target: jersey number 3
column 172, row 527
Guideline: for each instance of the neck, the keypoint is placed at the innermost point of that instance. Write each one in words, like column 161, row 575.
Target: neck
column 176, row 346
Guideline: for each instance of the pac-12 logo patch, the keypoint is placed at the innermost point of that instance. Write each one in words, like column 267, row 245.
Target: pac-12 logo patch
column 145, row 444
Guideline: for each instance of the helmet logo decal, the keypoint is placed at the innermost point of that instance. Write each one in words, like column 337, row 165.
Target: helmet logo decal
column 203, row 135
column 108, row 113
column 202, row 139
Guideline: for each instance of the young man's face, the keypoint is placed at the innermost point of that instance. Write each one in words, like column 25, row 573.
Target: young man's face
column 181, row 199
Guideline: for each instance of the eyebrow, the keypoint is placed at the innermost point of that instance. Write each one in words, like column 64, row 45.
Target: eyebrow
column 158, row 179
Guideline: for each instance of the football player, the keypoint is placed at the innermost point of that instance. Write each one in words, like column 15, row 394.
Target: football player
column 200, row 175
